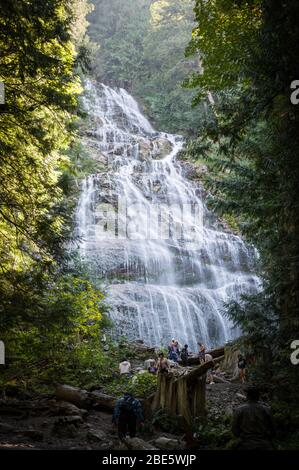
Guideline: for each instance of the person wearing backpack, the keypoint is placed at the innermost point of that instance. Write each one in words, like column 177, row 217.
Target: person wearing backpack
column 127, row 413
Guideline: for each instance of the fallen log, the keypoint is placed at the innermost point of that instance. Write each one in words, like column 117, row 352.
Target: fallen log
column 194, row 360
column 83, row 398
column 102, row 400
column 200, row 370
column 73, row 395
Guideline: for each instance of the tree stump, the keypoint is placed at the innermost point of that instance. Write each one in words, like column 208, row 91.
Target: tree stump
column 184, row 395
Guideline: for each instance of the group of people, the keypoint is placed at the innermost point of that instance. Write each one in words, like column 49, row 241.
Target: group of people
column 175, row 353
column 163, row 363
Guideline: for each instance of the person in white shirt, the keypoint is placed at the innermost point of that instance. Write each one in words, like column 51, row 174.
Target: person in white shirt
column 125, row 367
column 209, row 358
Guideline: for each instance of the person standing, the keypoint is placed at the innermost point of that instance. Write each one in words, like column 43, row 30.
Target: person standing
column 253, row 423
column 162, row 364
column 174, row 352
column 127, row 413
column 202, row 353
column 125, row 367
column 185, row 355
column 171, row 345
column 242, row 367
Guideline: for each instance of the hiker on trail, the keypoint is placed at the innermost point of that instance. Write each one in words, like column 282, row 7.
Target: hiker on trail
column 162, row 364
column 253, row 423
column 185, row 355
column 127, row 413
column 125, row 367
column 201, row 353
column 242, row 367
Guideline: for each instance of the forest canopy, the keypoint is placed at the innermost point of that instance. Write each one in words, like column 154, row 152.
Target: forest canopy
column 141, row 45
column 251, row 149
column 43, row 304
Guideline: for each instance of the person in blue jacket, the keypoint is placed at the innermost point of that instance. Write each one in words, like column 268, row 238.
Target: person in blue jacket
column 127, row 413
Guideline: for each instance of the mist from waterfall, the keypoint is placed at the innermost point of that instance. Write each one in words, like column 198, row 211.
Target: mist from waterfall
column 145, row 232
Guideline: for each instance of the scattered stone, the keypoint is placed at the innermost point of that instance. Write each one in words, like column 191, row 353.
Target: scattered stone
column 240, row 395
column 67, row 426
column 136, row 443
column 95, row 435
column 168, row 444
column 63, row 408
column 106, row 445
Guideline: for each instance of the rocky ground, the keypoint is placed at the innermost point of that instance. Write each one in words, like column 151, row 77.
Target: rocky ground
column 222, row 398
column 44, row 423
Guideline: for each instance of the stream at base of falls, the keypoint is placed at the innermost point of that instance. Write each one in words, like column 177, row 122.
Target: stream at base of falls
column 146, row 234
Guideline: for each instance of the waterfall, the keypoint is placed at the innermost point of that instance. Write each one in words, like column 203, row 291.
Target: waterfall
column 145, row 232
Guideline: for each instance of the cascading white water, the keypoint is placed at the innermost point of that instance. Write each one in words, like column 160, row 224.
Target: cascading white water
column 168, row 264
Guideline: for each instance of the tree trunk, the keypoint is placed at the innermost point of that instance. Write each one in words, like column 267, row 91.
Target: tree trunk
column 84, row 399
column 199, row 397
column 182, row 399
column 192, row 361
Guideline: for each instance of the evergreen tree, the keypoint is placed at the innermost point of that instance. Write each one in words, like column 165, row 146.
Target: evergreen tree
column 248, row 54
column 43, row 306
column 141, row 47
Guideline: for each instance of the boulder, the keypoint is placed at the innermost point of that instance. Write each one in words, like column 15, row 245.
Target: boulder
column 165, row 443
column 136, row 443
column 96, row 435
column 64, row 408
column 162, row 147
column 67, row 426
column 145, row 150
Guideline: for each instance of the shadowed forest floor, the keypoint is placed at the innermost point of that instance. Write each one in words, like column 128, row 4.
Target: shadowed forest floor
column 42, row 423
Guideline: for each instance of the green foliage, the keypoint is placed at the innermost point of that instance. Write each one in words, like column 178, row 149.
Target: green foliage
column 141, row 48
column 143, row 385
column 140, row 385
column 213, row 435
column 165, row 422
column 226, row 36
column 57, row 328
column 49, row 317
column 251, row 149
column 36, row 43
